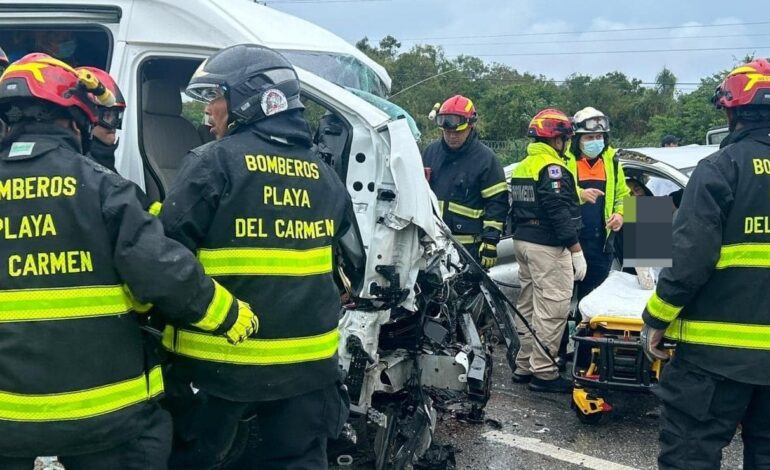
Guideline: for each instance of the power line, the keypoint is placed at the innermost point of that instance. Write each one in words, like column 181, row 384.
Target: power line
column 575, row 41
column 558, row 82
column 638, row 51
column 618, row 30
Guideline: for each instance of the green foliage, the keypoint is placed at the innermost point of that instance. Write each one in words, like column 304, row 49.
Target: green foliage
column 193, row 111
column 506, row 99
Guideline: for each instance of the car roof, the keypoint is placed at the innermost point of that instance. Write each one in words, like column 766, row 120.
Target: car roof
column 680, row 158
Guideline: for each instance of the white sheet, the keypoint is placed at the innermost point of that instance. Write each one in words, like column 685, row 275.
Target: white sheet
column 620, row 295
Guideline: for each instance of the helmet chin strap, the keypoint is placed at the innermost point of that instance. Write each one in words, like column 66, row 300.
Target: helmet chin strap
column 732, row 119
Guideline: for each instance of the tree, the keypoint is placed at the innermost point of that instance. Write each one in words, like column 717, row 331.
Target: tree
column 506, row 99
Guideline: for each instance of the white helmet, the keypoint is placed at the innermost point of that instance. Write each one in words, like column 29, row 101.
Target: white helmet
column 590, row 121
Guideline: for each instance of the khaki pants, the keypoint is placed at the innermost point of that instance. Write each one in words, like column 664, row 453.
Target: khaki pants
column 547, row 279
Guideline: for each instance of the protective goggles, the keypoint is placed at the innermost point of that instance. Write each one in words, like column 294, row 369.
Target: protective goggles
column 594, row 124
column 110, row 118
column 453, row 122
column 205, row 92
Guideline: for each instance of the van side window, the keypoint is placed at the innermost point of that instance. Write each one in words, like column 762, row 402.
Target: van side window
column 76, row 45
column 169, row 122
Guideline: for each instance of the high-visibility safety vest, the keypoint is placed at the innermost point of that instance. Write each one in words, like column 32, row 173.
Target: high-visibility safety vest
column 75, row 375
column 714, row 300
column 616, row 187
column 543, row 191
column 264, row 219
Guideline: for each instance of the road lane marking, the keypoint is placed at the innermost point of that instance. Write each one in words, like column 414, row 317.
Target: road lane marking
column 543, row 448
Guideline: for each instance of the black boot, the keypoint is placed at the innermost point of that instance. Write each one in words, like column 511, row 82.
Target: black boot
column 557, row 385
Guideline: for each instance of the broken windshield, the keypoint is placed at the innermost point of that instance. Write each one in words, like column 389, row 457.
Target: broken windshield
column 340, row 69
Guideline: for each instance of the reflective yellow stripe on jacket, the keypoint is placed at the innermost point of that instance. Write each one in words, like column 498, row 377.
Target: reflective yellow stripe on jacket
column 83, row 403
column 730, row 335
column 661, row 309
column 494, row 190
column 466, row 239
column 744, row 255
column 266, row 261
column 63, row 303
column 155, row 208
column 255, row 352
column 218, row 308
column 464, row 210
column 494, row 224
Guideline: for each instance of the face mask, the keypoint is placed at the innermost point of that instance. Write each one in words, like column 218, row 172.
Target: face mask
column 592, row 148
column 67, row 48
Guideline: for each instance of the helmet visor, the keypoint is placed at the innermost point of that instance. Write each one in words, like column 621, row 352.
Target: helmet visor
column 595, row 124
column 205, row 92
column 451, row 121
column 110, row 118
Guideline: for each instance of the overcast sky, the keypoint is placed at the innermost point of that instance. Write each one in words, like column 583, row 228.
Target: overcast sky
column 503, row 30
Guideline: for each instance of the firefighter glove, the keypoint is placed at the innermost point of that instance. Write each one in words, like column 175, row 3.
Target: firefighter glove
column 652, row 339
column 246, row 324
column 579, row 263
column 488, row 254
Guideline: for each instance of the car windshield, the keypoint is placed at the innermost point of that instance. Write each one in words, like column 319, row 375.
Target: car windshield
column 341, row 69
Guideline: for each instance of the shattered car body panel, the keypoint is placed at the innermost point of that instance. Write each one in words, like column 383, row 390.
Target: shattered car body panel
column 413, row 339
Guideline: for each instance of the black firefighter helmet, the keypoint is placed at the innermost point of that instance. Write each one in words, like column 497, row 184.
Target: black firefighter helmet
column 256, row 81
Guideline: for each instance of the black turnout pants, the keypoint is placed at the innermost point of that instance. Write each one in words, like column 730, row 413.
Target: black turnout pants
column 288, row 434
column 701, row 414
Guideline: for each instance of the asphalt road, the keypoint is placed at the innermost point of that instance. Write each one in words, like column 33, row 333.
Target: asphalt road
column 540, row 431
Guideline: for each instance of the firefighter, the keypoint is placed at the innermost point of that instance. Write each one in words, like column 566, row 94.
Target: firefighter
column 468, row 181
column 104, row 140
column 110, row 119
column 264, row 216
column 546, row 217
column 713, row 301
column 601, row 185
column 81, row 259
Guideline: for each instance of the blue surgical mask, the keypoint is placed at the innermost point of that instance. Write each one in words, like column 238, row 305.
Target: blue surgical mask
column 592, row 148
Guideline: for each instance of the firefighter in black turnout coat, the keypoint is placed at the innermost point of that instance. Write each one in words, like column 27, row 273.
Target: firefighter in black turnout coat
column 713, row 301
column 80, row 259
column 468, row 181
column 264, row 216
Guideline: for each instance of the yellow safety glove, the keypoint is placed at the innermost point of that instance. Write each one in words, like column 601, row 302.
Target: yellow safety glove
column 246, row 324
column 488, row 254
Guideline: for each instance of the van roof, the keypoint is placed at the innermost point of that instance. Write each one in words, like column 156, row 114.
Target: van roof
column 209, row 24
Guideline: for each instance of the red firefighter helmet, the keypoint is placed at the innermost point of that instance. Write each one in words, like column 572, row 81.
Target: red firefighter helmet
column 746, row 85
column 456, row 113
column 110, row 117
column 40, row 77
column 550, row 123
